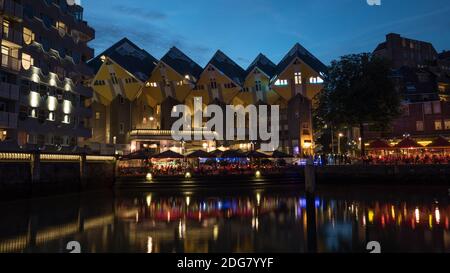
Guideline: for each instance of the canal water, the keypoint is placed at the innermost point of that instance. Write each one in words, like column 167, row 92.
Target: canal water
column 261, row 220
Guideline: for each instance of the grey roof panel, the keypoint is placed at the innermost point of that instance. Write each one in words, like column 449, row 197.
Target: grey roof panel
column 128, row 55
column 304, row 55
column 228, row 67
column 181, row 63
column 264, row 64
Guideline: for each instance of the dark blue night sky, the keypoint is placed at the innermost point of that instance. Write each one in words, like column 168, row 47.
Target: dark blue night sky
column 243, row 28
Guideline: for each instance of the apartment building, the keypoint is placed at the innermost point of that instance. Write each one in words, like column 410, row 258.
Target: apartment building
column 43, row 94
column 147, row 89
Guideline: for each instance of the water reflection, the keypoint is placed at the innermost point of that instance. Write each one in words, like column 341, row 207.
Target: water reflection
column 258, row 221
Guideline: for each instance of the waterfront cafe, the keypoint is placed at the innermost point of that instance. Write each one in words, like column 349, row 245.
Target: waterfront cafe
column 439, row 146
column 380, row 148
column 410, row 147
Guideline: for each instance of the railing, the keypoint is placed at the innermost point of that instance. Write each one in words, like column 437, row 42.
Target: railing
column 8, row 120
column 12, row 8
column 9, row 91
column 12, row 35
column 10, row 62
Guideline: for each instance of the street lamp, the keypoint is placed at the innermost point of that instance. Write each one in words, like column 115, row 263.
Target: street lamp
column 339, row 142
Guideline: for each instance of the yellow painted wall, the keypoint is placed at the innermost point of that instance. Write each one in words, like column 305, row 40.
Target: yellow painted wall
column 105, row 93
column 288, row 74
column 246, row 98
column 227, row 94
column 155, row 94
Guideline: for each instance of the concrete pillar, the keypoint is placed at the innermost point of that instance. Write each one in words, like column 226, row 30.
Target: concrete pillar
column 83, row 175
column 310, row 176
column 35, row 166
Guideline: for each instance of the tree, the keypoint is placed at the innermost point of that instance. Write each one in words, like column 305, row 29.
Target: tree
column 358, row 91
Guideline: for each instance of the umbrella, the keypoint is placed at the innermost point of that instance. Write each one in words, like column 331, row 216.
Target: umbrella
column 439, row 142
column 168, row 154
column 278, row 154
column 233, row 154
column 379, row 145
column 200, row 154
column 141, row 154
column 216, row 153
column 256, row 154
column 408, row 143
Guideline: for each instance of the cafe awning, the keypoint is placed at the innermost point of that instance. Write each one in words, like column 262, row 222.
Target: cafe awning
column 139, row 155
column 279, row 154
column 168, row 155
column 408, row 143
column 199, row 154
column 256, row 154
column 233, row 154
column 379, row 145
column 439, row 142
column 216, row 153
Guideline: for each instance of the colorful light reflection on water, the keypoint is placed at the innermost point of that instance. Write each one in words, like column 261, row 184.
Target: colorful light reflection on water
column 259, row 221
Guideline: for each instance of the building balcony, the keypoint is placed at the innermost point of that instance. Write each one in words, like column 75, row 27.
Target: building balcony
column 8, row 120
column 9, row 91
column 11, row 9
column 11, row 63
column 12, row 37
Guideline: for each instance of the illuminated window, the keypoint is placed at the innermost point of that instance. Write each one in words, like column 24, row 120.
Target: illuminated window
column 298, row 78
column 28, row 36
column 97, row 115
column 438, row 125
column 419, row 125
column 61, row 27
column 152, row 84
column 315, row 80
column 447, row 124
column 5, row 28
column 51, row 116
column 33, row 113
column 281, row 82
column 66, row 119
column 27, row 61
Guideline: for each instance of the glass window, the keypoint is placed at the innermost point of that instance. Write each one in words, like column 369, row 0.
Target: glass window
column 438, row 125
column 28, row 36
column 27, row 61
column 298, row 77
column 97, row 115
column 281, row 82
column 447, row 124
column 258, row 86
column 213, row 84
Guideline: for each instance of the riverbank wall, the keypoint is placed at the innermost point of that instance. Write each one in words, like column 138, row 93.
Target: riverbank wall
column 36, row 174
